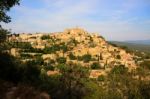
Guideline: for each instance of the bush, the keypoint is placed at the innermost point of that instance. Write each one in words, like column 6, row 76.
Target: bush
column 146, row 64
column 25, row 56
column 121, row 69
column 95, row 65
column 87, row 57
column 44, row 37
column 49, row 67
column 64, row 48
column 72, row 57
column 22, row 45
column 61, row 60
column 51, row 61
column 31, row 73
column 54, row 48
column 39, row 60
column 73, row 78
column 9, row 68
column 101, row 78
column 118, row 57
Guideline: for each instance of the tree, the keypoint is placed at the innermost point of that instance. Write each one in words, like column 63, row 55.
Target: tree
column 9, row 68
column 86, row 57
column 22, row 45
column 145, row 64
column 49, row 67
column 64, row 48
column 72, row 78
column 71, row 56
column 39, row 60
column 7, row 63
column 61, row 60
column 101, row 78
column 5, row 6
column 95, row 65
column 30, row 73
column 118, row 57
column 121, row 69
column 145, row 90
column 45, row 37
column 3, row 34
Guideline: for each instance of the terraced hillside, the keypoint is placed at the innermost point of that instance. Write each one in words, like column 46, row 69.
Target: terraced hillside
column 73, row 45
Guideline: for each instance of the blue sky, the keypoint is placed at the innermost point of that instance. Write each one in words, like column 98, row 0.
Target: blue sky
column 114, row 19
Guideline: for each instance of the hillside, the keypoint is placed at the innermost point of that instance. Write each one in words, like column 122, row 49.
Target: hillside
column 73, row 45
column 133, row 46
column 143, row 42
column 73, row 64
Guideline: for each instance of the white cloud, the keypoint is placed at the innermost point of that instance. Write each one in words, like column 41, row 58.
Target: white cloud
column 56, row 15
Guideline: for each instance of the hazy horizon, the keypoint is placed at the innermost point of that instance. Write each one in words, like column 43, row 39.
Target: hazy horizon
column 116, row 20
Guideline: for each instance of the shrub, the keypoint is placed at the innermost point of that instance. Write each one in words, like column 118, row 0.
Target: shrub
column 145, row 64
column 39, row 60
column 61, row 60
column 86, row 57
column 72, row 57
column 121, row 69
column 95, row 65
column 23, row 55
column 118, row 57
column 44, row 37
column 51, row 61
column 101, row 78
column 49, row 67
column 22, row 45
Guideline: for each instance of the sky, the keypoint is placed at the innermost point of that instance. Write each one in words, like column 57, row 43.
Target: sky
column 117, row 20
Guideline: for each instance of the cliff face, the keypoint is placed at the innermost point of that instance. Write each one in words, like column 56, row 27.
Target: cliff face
column 80, row 43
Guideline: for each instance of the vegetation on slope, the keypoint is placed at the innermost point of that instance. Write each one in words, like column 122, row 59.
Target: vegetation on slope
column 29, row 80
column 132, row 46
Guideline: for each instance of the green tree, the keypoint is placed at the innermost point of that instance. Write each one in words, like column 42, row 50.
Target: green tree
column 3, row 34
column 5, row 6
column 61, row 60
column 49, row 67
column 9, row 68
column 101, row 78
column 118, row 57
column 95, row 65
column 72, row 81
column 86, row 57
column 72, row 57
column 121, row 69
column 22, row 45
column 145, row 64
column 7, row 63
column 45, row 37
column 144, row 89
column 31, row 73
column 39, row 60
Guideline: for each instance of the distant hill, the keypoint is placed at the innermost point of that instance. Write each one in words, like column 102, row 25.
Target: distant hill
column 145, row 42
column 133, row 46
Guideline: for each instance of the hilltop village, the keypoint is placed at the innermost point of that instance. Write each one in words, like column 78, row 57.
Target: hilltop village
column 74, row 45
